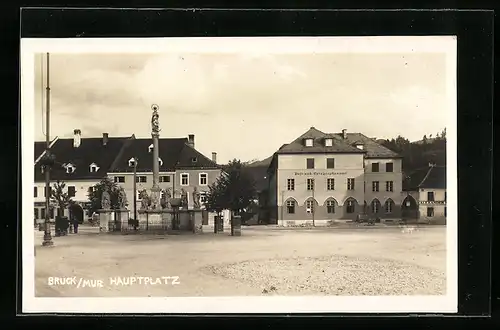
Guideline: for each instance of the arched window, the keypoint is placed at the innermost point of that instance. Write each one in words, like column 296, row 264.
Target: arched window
column 331, row 204
column 290, row 206
column 350, row 205
column 375, row 206
column 389, row 206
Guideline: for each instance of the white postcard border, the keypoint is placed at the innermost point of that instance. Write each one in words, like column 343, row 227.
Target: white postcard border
column 305, row 304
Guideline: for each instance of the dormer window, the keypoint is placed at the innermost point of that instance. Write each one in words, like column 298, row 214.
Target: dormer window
column 131, row 162
column 160, row 161
column 328, row 142
column 150, row 148
column 194, row 159
column 308, row 142
column 360, row 146
column 94, row 168
column 70, row 168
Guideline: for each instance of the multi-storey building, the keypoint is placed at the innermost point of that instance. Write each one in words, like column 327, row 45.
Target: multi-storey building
column 181, row 166
column 322, row 177
column 81, row 163
column 426, row 194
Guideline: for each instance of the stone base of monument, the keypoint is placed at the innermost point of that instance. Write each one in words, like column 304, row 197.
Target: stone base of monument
column 105, row 220
column 121, row 219
column 151, row 220
column 197, row 221
column 167, row 219
column 236, row 227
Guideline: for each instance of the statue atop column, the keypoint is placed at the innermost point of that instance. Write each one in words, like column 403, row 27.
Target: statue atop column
column 122, row 198
column 165, row 199
column 155, row 119
column 184, row 198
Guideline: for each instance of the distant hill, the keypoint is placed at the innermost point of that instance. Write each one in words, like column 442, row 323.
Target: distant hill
column 258, row 163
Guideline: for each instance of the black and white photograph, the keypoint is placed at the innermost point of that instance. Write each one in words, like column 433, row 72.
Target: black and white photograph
column 229, row 175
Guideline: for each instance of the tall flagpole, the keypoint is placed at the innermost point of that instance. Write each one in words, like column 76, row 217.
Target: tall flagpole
column 47, row 237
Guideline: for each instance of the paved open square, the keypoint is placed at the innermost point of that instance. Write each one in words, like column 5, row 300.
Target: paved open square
column 263, row 261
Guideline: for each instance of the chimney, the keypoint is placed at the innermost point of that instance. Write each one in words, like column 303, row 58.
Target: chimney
column 191, row 140
column 214, row 157
column 104, row 139
column 77, row 138
column 344, row 134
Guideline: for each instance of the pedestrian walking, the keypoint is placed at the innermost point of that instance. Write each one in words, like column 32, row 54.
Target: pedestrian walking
column 75, row 225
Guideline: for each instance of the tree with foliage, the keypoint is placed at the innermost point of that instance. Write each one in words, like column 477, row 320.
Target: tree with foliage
column 95, row 195
column 233, row 190
column 59, row 196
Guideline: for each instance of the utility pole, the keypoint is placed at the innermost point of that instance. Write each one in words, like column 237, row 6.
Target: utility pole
column 135, row 189
column 47, row 236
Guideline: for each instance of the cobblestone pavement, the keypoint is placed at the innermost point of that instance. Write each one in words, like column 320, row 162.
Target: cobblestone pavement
column 262, row 261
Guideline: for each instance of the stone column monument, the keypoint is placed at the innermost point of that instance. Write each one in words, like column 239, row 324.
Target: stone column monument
column 155, row 211
column 105, row 212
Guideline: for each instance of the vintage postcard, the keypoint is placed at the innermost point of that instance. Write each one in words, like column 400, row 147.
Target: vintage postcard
column 239, row 175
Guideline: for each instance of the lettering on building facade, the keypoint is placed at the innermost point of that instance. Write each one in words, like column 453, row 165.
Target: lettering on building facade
column 319, row 173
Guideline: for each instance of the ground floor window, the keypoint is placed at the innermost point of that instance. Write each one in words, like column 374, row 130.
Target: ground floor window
column 51, row 213
column 350, row 207
column 310, row 207
column 330, row 207
column 445, row 211
column 290, row 207
column 36, row 213
column 430, row 212
column 389, row 205
column 42, row 213
column 375, row 206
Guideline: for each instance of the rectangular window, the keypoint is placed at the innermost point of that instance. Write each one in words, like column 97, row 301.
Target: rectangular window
column 36, row 213
column 42, row 213
column 330, row 163
column 375, row 186
column 71, row 191
column 35, row 192
column 388, row 207
column 203, row 179
column 51, row 213
column 203, row 198
column 330, row 184
column 389, row 167
column 310, row 184
column 309, row 142
column 290, row 184
column 290, row 207
column 350, row 184
column 330, row 207
column 184, row 179
column 389, row 186
column 141, row 179
column 90, row 190
column 310, row 163
column 430, row 196
column 310, row 207
column 445, row 196
column 430, row 212
column 375, row 167
column 445, row 211
column 165, row 178
column 45, row 192
column 119, row 179
column 204, row 218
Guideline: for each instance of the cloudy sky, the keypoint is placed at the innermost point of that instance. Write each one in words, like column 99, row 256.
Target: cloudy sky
column 243, row 106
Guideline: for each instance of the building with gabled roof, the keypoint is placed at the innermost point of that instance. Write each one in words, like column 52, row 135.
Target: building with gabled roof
column 325, row 177
column 81, row 163
column 426, row 193
column 181, row 167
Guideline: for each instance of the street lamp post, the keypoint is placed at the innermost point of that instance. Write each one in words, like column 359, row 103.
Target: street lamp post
column 47, row 236
column 135, row 189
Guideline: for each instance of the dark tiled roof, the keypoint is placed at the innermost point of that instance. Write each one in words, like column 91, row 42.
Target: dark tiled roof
column 432, row 177
column 372, row 147
column 91, row 150
column 174, row 153
column 39, row 149
column 192, row 158
column 297, row 146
